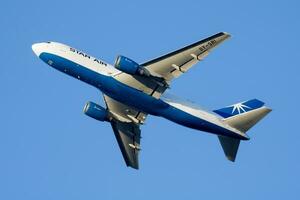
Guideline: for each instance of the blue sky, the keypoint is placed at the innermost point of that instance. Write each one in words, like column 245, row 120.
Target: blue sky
column 50, row 150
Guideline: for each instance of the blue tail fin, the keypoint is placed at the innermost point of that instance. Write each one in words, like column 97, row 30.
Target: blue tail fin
column 239, row 108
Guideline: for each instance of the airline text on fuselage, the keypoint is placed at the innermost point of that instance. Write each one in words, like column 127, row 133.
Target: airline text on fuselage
column 87, row 56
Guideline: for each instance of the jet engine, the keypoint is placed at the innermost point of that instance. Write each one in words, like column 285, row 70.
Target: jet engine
column 95, row 111
column 128, row 66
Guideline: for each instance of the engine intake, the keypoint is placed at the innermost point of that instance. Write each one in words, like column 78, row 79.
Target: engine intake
column 95, row 111
column 129, row 66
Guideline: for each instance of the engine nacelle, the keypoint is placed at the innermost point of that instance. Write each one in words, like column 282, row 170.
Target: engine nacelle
column 95, row 111
column 128, row 66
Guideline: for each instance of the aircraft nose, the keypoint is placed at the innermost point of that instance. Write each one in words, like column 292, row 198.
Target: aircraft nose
column 37, row 48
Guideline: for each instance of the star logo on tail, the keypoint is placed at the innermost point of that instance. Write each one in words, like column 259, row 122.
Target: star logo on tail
column 240, row 107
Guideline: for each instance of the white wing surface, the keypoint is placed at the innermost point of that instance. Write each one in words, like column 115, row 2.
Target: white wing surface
column 176, row 63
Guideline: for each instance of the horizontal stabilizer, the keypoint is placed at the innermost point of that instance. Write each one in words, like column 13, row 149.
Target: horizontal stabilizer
column 230, row 147
column 239, row 108
column 245, row 121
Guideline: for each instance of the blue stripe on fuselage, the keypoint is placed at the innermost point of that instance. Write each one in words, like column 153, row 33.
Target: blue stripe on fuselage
column 132, row 97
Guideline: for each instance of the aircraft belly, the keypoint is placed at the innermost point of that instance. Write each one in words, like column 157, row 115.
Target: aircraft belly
column 132, row 97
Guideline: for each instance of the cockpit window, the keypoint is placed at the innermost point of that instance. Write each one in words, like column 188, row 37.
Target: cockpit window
column 48, row 42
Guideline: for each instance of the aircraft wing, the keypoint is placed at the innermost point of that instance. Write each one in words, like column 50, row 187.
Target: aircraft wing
column 128, row 137
column 176, row 63
column 126, row 123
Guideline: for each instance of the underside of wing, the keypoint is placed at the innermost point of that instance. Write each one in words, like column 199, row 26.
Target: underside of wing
column 128, row 137
column 126, row 123
column 124, row 113
column 174, row 64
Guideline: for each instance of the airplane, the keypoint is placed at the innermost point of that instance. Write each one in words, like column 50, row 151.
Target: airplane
column 132, row 91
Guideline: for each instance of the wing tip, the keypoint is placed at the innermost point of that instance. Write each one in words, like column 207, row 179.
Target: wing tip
column 231, row 158
column 133, row 166
column 227, row 35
